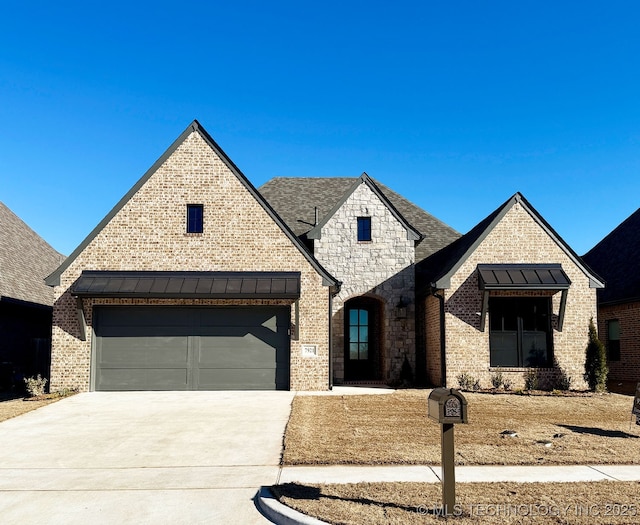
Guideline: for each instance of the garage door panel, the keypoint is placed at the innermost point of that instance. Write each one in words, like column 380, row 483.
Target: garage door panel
column 138, row 351
column 143, row 379
column 173, row 348
column 240, row 379
column 137, row 317
column 231, row 353
column 165, row 330
column 228, row 317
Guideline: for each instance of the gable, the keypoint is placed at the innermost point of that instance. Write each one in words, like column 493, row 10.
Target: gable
column 514, row 233
column 296, row 200
column 146, row 230
column 361, row 186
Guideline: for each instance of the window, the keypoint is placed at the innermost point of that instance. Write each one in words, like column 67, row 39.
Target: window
column 613, row 340
column 194, row 218
column 358, row 335
column 520, row 331
column 364, row 228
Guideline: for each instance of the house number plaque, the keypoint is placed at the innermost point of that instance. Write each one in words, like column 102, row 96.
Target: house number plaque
column 452, row 407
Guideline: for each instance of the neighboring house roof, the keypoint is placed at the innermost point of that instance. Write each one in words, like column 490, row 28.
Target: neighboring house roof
column 328, row 279
column 616, row 258
column 436, row 271
column 296, row 200
column 25, row 260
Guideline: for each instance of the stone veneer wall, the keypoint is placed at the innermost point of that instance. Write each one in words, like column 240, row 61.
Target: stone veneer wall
column 149, row 233
column 382, row 268
column 628, row 314
column 516, row 239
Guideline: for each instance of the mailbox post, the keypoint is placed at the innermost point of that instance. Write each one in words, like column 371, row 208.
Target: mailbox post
column 447, row 406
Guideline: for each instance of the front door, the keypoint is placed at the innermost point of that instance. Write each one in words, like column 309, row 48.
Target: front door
column 361, row 327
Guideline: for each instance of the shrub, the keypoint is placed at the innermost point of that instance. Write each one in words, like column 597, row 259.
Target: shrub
column 497, row 380
column 468, row 382
column 595, row 364
column 564, row 382
column 507, row 384
column 35, row 385
column 531, row 380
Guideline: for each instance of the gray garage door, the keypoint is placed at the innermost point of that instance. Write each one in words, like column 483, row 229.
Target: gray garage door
column 182, row 348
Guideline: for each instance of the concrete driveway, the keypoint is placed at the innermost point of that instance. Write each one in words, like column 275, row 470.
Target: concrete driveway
column 142, row 457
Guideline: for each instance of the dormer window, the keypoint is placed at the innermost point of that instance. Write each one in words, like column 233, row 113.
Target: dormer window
column 364, row 229
column 195, row 216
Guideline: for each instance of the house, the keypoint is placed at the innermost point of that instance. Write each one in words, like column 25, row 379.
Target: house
column 510, row 296
column 615, row 259
column 25, row 301
column 198, row 280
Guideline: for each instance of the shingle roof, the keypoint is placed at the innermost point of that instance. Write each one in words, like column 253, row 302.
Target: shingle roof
column 436, row 270
column 25, row 260
column 616, row 258
column 295, row 200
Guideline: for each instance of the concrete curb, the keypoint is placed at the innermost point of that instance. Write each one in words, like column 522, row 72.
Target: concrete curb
column 279, row 513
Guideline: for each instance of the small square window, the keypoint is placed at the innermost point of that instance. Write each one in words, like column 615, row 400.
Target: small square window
column 364, row 228
column 195, row 218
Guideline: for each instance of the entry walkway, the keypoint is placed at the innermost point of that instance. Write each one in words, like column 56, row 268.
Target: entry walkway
column 281, row 514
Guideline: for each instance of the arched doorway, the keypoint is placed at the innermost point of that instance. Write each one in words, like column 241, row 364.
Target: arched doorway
column 362, row 336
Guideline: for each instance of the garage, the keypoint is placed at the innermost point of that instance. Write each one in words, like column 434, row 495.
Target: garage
column 170, row 345
column 191, row 348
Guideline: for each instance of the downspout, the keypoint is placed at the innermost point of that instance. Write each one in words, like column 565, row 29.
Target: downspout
column 443, row 345
column 330, row 339
column 333, row 291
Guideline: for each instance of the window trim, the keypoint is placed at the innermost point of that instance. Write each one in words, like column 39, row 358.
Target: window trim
column 195, row 225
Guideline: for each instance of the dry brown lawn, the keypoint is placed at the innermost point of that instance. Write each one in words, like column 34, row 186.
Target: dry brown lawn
column 395, row 429
column 12, row 406
column 605, row 502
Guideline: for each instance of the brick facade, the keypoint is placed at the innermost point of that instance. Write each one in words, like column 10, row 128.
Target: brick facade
column 382, row 268
column 517, row 238
column 627, row 369
column 148, row 233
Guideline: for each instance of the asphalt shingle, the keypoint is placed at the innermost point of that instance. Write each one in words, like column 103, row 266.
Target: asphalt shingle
column 25, row 260
column 295, row 199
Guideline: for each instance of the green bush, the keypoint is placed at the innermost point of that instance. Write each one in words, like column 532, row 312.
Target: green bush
column 595, row 364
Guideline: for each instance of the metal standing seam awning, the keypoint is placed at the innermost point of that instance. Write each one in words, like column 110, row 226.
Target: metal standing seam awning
column 522, row 277
column 183, row 285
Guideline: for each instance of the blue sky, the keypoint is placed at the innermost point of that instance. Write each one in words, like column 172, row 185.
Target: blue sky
column 455, row 104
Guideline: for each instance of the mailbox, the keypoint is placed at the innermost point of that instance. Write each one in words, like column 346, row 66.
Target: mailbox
column 447, row 406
